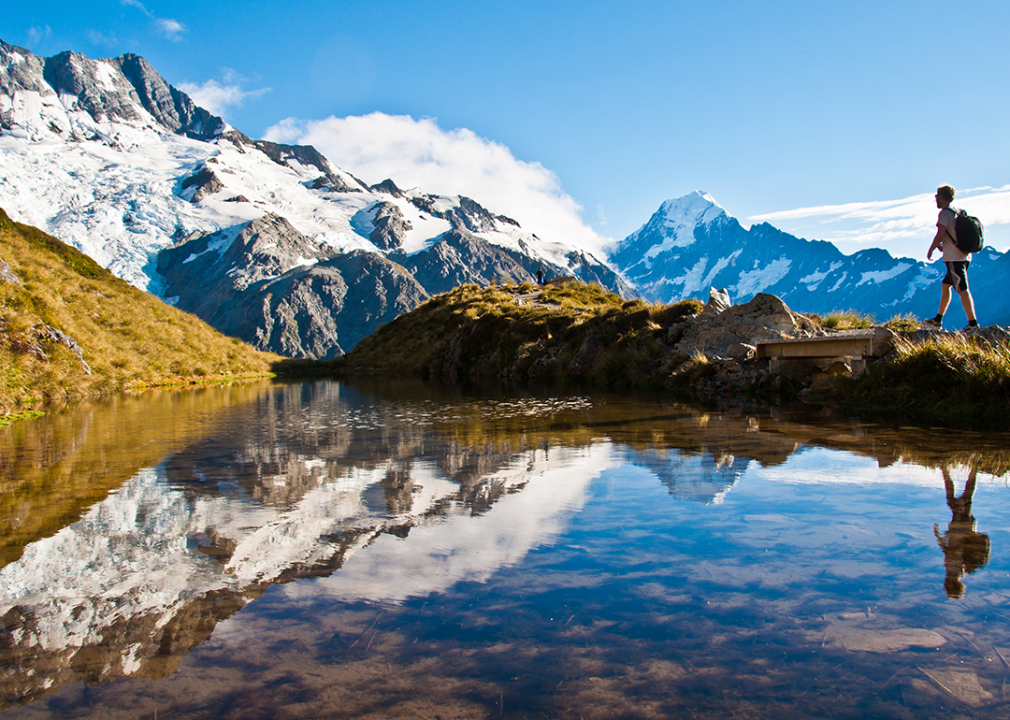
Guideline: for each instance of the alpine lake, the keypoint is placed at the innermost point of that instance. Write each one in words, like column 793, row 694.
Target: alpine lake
column 385, row 549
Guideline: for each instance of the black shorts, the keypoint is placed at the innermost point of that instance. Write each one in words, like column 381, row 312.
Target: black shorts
column 957, row 275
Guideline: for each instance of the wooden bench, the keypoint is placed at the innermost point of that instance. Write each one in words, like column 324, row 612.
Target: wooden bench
column 857, row 345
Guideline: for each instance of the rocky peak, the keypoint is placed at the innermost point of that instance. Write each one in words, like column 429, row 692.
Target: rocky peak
column 124, row 89
column 170, row 107
column 387, row 186
column 21, row 70
column 471, row 216
column 99, row 87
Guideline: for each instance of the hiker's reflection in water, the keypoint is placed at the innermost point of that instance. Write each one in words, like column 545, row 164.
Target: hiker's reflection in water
column 964, row 548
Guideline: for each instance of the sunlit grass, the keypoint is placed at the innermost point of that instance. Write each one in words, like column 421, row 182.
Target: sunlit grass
column 129, row 338
column 484, row 332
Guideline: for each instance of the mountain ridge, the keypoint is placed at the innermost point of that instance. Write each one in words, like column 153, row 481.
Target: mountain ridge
column 108, row 156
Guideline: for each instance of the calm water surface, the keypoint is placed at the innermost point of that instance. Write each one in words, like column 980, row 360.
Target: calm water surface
column 329, row 550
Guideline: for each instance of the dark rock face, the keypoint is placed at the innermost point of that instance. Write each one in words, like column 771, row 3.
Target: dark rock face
column 390, row 227
column 205, row 182
column 170, row 107
column 280, row 291
column 115, row 89
column 389, row 187
column 471, row 216
column 461, row 257
column 26, row 73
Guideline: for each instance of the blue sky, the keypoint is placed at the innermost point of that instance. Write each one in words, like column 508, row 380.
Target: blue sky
column 831, row 120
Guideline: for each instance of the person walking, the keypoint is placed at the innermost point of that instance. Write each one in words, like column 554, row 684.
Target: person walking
column 956, row 261
column 540, row 276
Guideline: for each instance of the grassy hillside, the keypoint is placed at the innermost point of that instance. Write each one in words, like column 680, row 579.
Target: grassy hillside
column 127, row 338
column 474, row 331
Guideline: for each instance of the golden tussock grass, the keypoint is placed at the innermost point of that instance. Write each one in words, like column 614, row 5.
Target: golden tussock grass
column 128, row 337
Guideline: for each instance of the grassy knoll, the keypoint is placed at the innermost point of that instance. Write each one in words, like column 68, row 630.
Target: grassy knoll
column 488, row 332
column 951, row 379
column 128, row 338
column 581, row 333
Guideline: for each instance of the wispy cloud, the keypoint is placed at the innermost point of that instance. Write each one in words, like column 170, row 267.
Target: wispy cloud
column 418, row 153
column 37, row 35
column 171, row 29
column 218, row 97
column 904, row 227
column 97, row 37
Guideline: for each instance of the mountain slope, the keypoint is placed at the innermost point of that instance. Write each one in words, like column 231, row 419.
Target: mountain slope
column 691, row 244
column 115, row 161
column 69, row 328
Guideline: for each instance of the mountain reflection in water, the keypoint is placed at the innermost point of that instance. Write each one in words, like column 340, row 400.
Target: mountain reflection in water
column 413, row 552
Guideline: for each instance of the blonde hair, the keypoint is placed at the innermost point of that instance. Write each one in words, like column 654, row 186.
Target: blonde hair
column 947, row 192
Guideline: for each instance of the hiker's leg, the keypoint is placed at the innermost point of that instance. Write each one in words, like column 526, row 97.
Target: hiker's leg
column 968, row 304
column 944, row 300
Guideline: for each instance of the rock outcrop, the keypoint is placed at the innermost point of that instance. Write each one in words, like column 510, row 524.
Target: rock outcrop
column 721, row 329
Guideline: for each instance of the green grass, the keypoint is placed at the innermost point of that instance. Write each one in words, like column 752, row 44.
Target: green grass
column 950, row 379
column 129, row 338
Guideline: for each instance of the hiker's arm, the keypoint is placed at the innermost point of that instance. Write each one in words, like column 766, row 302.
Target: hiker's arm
column 941, row 233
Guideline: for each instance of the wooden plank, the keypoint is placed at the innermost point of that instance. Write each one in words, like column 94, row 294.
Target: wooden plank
column 822, row 347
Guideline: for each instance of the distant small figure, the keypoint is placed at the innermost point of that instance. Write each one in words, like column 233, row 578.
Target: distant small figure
column 956, row 261
column 540, row 276
column 965, row 549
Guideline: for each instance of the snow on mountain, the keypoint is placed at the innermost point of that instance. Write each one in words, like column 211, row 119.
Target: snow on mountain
column 108, row 157
column 691, row 244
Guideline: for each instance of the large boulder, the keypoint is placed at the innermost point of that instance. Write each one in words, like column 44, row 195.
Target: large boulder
column 765, row 318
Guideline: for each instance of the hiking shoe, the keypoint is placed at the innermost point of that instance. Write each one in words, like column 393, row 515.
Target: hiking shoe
column 971, row 326
column 933, row 323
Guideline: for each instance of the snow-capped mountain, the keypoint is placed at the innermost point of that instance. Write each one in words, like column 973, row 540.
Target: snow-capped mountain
column 271, row 243
column 691, row 244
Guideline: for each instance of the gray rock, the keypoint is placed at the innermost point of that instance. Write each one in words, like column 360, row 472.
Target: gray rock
column 762, row 319
column 585, row 357
column 201, row 184
column 741, row 351
column 7, row 275
column 718, row 300
column 47, row 333
column 389, row 227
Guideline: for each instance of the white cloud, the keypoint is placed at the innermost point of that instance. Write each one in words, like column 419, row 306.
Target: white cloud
column 217, row 97
column 171, row 29
column 418, row 153
column 904, row 227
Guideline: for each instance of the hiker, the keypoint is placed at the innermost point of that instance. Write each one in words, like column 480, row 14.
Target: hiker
column 964, row 548
column 956, row 261
column 540, row 276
